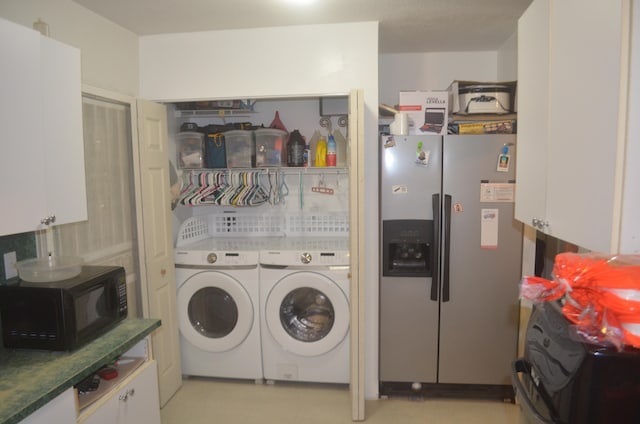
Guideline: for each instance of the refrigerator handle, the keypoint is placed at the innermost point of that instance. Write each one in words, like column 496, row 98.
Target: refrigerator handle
column 435, row 252
column 447, row 247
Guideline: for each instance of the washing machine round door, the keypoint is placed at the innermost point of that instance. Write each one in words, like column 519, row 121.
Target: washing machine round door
column 215, row 312
column 307, row 313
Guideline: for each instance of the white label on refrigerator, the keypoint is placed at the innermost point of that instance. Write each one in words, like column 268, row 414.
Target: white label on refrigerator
column 399, row 189
column 497, row 192
column 489, row 228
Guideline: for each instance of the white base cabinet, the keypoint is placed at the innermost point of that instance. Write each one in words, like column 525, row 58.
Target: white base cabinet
column 61, row 410
column 133, row 401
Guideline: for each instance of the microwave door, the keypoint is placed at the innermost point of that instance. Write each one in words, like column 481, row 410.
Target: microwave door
column 32, row 318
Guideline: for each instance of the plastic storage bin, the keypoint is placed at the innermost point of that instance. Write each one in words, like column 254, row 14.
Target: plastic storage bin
column 190, row 150
column 215, row 151
column 240, row 148
column 270, row 143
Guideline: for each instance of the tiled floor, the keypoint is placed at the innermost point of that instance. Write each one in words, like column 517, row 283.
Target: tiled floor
column 202, row 400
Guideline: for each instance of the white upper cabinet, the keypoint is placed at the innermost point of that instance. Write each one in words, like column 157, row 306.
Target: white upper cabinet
column 62, row 125
column 573, row 79
column 42, row 160
column 533, row 101
column 22, row 158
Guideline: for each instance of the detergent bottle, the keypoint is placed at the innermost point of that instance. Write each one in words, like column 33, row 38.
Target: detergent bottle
column 295, row 149
column 321, row 152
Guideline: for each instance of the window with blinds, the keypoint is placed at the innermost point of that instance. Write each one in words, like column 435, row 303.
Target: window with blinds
column 108, row 237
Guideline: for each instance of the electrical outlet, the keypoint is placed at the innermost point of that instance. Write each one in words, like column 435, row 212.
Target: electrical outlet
column 10, row 270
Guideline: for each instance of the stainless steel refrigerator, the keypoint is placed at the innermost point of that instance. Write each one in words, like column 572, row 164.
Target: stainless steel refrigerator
column 451, row 263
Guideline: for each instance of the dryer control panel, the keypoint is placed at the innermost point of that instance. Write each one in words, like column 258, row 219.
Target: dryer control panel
column 304, row 258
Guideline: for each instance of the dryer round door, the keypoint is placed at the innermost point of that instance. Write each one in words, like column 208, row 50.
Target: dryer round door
column 307, row 313
column 215, row 312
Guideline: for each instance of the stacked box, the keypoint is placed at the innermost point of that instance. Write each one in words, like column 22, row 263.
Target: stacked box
column 190, row 150
column 270, row 143
column 240, row 149
column 427, row 111
column 506, row 126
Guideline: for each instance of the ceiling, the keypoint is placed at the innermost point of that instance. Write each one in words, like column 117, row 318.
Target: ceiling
column 406, row 26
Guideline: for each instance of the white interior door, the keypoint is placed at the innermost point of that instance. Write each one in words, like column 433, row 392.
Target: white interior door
column 357, row 248
column 158, row 281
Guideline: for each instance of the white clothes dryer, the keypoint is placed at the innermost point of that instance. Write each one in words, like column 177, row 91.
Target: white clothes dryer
column 305, row 314
column 218, row 308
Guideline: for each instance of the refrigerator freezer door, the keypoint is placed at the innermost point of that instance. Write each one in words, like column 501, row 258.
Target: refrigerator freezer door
column 479, row 323
column 410, row 176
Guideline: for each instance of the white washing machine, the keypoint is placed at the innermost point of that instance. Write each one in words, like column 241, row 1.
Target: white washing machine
column 218, row 308
column 305, row 314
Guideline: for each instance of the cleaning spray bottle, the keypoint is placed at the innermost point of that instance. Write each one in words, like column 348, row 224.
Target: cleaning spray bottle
column 331, row 151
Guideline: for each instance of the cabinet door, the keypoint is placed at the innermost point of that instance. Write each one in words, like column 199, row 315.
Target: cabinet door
column 61, row 137
column 42, row 157
column 533, row 98
column 22, row 173
column 585, row 86
column 142, row 404
column 136, row 400
column 61, row 410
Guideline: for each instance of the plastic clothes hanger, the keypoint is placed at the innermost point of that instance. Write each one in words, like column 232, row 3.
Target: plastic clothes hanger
column 259, row 194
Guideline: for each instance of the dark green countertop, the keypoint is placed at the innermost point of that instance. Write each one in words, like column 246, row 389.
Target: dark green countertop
column 31, row 378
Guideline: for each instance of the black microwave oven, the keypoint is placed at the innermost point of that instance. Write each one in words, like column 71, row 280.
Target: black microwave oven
column 63, row 315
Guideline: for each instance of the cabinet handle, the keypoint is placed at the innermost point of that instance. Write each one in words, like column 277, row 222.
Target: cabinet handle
column 125, row 396
column 539, row 223
column 48, row 220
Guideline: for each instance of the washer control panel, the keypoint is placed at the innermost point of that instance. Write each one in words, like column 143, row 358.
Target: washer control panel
column 215, row 258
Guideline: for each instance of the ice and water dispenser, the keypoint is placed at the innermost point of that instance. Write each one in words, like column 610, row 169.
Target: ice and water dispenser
column 407, row 248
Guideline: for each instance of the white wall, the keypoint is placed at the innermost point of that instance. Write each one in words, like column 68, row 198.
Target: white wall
column 262, row 62
column 109, row 52
column 508, row 59
column 432, row 71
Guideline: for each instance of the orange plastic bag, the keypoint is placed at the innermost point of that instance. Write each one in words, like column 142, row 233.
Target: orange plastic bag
column 600, row 295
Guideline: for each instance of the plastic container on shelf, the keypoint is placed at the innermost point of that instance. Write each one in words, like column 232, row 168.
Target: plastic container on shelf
column 214, row 150
column 270, row 143
column 240, row 149
column 190, row 150
column 295, row 149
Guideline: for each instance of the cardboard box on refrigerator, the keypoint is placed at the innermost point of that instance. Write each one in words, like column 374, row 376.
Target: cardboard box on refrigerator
column 427, row 111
